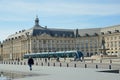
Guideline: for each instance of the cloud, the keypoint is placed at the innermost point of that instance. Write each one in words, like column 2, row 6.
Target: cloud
column 13, row 18
column 4, row 34
column 61, row 8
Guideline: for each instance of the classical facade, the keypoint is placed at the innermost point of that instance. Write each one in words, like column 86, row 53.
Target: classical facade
column 43, row 39
column 1, row 51
column 112, row 39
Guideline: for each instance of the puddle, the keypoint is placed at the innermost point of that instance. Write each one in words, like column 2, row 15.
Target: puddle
column 10, row 75
column 110, row 71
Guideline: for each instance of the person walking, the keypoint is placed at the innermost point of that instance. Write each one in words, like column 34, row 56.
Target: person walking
column 30, row 62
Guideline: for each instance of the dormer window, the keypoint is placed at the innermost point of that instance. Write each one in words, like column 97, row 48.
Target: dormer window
column 102, row 33
column 116, row 30
column 19, row 36
column 19, row 31
column 86, row 34
column 109, row 32
column 71, row 35
column 27, row 33
column 15, row 37
column 56, row 34
column 96, row 34
column 39, row 32
column 63, row 35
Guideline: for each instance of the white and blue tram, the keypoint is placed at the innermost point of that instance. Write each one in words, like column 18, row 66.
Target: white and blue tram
column 77, row 55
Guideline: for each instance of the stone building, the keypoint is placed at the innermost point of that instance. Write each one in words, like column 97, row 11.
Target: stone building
column 1, row 50
column 42, row 39
column 112, row 39
column 37, row 39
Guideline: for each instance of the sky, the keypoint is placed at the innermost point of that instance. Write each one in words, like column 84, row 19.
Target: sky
column 16, row 15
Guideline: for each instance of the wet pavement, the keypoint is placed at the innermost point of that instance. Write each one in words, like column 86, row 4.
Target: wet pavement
column 58, row 73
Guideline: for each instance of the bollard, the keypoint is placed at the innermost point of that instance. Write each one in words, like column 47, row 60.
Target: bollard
column 36, row 63
column 24, row 63
column 85, row 65
column 53, row 64
column 48, row 64
column 42, row 64
column 21, row 63
column 109, row 66
column 67, row 65
column 17, row 63
column 75, row 65
column 96, row 66
column 110, row 61
column 60, row 64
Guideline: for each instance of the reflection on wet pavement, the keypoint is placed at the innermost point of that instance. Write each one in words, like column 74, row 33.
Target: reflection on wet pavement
column 110, row 71
column 9, row 75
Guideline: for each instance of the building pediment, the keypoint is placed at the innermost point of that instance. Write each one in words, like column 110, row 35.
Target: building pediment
column 45, row 35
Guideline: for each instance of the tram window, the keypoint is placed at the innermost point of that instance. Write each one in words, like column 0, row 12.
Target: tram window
column 67, row 55
column 72, row 54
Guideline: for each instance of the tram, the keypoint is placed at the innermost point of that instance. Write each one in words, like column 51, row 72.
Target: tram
column 77, row 55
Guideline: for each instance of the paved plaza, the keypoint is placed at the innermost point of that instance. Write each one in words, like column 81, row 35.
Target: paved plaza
column 59, row 73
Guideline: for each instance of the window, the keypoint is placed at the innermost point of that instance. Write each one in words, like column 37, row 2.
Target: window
column 115, row 38
column 111, row 44
column 44, row 41
column 56, row 35
column 111, row 38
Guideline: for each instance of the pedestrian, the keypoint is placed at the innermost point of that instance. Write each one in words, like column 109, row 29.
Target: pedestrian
column 30, row 62
column 49, row 58
column 45, row 60
column 58, row 59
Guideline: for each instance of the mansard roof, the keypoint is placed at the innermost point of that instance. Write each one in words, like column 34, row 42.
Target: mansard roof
column 53, row 32
column 92, row 31
column 39, row 30
column 111, row 29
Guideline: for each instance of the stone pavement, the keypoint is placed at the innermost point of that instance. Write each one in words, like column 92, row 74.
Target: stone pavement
column 59, row 73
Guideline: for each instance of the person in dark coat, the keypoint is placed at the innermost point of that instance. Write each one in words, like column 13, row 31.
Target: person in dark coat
column 30, row 62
